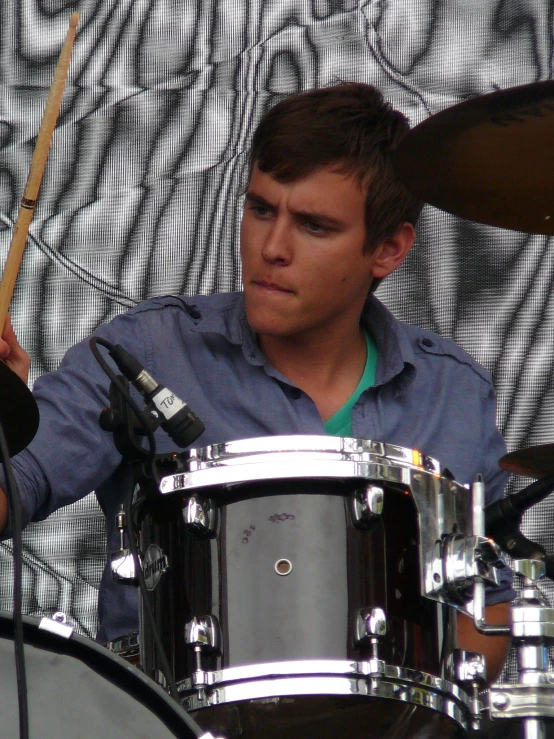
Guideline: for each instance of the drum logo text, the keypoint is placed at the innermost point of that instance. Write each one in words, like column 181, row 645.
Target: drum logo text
column 154, row 565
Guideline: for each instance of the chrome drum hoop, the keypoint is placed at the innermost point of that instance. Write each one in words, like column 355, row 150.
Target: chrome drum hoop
column 328, row 677
column 278, row 457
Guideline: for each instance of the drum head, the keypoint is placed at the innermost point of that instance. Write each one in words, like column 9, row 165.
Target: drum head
column 76, row 688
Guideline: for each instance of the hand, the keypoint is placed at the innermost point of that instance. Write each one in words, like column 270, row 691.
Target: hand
column 12, row 354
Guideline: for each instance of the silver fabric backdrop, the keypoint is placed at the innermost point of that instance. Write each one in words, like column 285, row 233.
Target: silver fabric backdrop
column 142, row 194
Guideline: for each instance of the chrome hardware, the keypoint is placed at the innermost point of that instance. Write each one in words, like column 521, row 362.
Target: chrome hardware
column 531, row 570
column 60, row 617
column 478, row 501
column 458, row 562
column 55, row 626
column 371, row 623
column 533, row 632
column 532, row 621
column 123, row 568
column 283, row 567
column 469, row 671
column 200, row 515
column 122, row 562
column 370, row 628
column 514, row 700
column 202, row 634
column 328, row 677
column 467, row 667
column 367, row 505
column 532, row 624
column 468, row 557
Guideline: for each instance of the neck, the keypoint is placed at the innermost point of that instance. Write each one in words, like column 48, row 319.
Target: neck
column 321, row 361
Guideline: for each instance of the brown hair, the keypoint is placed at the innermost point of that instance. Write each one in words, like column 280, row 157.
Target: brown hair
column 348, row 124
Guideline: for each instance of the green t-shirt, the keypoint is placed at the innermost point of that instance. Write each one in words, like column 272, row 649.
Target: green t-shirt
column 340, row 423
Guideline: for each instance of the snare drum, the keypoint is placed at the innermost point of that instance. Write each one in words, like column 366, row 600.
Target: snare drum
column 76, row 688
column 286, row 577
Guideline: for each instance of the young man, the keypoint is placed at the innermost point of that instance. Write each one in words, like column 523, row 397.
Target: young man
column 302, row 350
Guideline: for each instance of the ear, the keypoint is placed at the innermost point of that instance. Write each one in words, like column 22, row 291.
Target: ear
column 390, row 253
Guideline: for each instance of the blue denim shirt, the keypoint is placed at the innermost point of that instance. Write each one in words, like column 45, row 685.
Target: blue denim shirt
column 429, row 395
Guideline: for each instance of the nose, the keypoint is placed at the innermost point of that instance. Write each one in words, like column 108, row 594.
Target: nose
column 277, row 244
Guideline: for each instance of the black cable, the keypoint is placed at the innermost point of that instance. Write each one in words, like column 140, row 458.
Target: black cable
column 15, row 517
column 151, row 464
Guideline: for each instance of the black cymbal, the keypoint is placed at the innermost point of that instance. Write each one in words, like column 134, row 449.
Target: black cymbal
column 489, row 159
column 535, row 461
column 18, row 410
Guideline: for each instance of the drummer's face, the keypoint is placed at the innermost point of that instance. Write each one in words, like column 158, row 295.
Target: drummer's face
column 303, row 261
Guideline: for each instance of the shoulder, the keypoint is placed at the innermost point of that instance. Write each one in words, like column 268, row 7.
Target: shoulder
column 195, row 307
column 175, row 313
column 429, row 344
column 403, row 343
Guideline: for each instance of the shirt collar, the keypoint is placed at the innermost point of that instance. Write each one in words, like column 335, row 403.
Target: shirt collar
column 396, row 356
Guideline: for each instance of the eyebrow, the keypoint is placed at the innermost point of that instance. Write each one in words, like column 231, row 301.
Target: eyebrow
column 307, row 215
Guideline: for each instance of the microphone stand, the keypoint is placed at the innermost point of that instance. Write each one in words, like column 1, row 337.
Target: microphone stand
column 532, row 627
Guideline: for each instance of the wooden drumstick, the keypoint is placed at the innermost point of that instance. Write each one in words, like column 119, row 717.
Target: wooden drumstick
column 34, row 178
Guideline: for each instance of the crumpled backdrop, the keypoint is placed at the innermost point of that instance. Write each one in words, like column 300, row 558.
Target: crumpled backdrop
column 142, row 193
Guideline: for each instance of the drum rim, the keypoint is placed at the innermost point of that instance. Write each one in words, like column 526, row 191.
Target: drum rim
column 329, row 668
column 429, row 691
column 221, row 452
column 97, row 657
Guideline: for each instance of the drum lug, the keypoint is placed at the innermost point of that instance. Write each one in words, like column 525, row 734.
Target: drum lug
column 203, row 633
column 469, row 671
column 123, row 568
column 370, row 628
column 367, row 506
column 122, row 562
column 200, row 515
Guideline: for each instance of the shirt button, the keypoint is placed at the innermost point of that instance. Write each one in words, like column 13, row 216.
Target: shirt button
column 427, row 342
column 295, row 393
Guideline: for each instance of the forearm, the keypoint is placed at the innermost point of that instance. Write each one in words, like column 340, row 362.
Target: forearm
column 494, row 648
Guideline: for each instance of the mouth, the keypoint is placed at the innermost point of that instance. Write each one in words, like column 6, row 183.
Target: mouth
column 272, row 287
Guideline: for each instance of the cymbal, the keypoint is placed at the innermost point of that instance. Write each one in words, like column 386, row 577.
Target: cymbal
column 489, row 159
column 535, row 461
column 18, row 410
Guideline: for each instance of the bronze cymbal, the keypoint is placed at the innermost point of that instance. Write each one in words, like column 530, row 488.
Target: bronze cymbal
column 489, row 159
column 18, row 411
column 535, row 461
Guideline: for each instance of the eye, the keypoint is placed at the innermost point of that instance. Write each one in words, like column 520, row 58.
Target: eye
column 261, row 211
column 315, row 228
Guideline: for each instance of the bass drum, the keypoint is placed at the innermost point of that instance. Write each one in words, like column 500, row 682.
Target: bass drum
column 268, row 563
column 77, row 689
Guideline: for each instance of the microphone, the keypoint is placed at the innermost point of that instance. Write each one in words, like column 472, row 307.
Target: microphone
column 503, row 519
column 177, row 419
